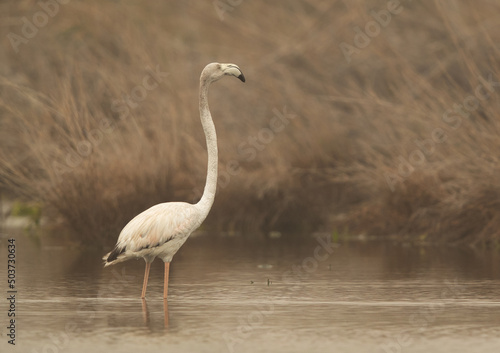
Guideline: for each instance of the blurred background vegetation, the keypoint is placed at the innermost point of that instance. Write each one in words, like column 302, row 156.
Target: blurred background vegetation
column 388, row 132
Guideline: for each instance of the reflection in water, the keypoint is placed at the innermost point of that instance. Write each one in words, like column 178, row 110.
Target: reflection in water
column 165, row 312
column 146, row 315
column 145, row 312
column 260, row 295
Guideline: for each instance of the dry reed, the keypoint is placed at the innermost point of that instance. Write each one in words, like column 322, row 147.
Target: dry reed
column 355, row 153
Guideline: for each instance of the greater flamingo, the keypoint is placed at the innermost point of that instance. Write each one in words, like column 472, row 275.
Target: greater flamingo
column 162, row 229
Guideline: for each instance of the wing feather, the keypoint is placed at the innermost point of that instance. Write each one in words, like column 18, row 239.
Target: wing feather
column 157, row 225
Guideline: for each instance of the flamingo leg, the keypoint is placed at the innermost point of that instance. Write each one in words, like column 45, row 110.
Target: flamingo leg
column 145, row 312
column 165, row 313
column 146, row 276
column 165, row 281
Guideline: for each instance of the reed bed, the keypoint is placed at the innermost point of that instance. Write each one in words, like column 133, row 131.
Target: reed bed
column 357, row 116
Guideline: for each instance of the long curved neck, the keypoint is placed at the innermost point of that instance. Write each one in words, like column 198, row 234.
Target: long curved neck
column 209, row 129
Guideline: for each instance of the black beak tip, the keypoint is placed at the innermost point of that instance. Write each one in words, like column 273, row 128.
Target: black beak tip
column 242, row 78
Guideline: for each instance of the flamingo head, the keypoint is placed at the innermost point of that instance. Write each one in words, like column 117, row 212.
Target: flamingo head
column 215, row 71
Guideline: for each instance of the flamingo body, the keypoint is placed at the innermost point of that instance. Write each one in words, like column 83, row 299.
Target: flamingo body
column 157, row 232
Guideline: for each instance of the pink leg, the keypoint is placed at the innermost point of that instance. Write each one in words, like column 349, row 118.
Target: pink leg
column 145, row 311
column 165, row 281
column 146, row 276
column 165, row 312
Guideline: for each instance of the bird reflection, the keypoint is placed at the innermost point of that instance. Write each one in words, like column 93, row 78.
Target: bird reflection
column 145, row 313
column 146, row 318
column 165, row 312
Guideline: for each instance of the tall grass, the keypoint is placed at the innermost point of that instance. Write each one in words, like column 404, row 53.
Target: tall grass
column 346, row 159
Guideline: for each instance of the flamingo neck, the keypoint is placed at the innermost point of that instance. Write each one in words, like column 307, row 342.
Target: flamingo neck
column 205, row 204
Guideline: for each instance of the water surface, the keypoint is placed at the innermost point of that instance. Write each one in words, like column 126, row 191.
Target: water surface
column 253, row 294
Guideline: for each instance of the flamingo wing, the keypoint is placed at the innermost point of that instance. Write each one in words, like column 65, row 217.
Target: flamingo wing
column 154, row 227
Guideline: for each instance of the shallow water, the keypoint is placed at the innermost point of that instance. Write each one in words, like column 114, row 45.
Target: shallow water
column 252, row 294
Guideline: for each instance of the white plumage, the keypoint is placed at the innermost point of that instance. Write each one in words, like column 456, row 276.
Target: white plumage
column 157, row 232
column 162, row 229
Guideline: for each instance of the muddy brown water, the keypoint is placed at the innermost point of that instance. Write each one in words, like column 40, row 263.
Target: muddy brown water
column 253, row 294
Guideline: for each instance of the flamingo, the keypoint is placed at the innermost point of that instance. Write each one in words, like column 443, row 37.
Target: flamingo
column 162, row 229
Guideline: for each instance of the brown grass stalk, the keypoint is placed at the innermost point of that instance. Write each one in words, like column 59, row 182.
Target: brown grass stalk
column 66, row 142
